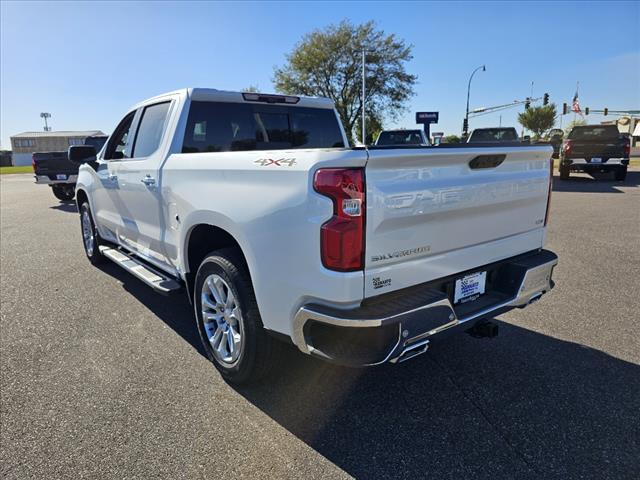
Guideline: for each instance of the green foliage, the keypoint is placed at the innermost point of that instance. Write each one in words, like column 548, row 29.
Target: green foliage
column 251, row 89
column 374, row 127
column 574, row 123
column 451, row 139
column 328, row 63
column 538, row 119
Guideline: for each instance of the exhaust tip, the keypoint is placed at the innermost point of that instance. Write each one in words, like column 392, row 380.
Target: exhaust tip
column 411, row 351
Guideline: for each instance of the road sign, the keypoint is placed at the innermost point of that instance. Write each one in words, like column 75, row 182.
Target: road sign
column 427, row 117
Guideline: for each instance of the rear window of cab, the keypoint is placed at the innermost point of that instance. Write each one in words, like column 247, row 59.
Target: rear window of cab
column 587, row 132
column 231, row 127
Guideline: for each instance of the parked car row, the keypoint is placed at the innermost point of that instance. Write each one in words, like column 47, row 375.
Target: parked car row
column 587, row 148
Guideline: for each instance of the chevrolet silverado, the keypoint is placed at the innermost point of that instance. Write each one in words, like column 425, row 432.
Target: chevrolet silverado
column 256, row 206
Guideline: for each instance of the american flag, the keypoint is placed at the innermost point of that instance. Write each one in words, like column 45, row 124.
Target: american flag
column 576, row 104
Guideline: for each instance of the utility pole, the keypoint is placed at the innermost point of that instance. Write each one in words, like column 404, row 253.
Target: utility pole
column 364, row 138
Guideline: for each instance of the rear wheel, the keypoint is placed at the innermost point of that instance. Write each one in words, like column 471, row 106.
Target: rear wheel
column 621, row 173
column 228, row 319
column 564, row 172
column 90, row 237
column 64, row 193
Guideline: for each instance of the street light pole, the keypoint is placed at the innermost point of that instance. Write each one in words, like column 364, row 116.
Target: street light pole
column 45, row 115
column 466, row 115
column 364, row 138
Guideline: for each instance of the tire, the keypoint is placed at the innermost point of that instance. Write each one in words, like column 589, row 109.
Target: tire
column 236, row 343
column 90, row 235
column 64, row 194
column 621, row 174
column 564, row 172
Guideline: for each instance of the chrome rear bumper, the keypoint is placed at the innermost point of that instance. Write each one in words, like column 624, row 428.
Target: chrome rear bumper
column 45, row 180
column 399, row 325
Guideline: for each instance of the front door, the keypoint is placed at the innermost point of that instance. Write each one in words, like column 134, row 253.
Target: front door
column 143, row 222
column 106, row 201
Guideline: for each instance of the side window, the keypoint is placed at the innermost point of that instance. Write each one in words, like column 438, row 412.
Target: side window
column 150, row 130
column 117, row 146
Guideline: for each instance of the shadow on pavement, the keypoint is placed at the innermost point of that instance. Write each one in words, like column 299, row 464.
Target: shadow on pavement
column 523, row 405
column 66, row 207
column 599, row 183
column 175, row 310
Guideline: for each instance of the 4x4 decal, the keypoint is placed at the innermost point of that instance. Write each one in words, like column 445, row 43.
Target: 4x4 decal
column 280, row 162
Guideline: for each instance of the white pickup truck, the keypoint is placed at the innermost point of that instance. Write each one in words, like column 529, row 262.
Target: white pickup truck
column 278, row 230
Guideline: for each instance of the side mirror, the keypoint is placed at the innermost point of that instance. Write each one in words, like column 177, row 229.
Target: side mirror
column 82, row 154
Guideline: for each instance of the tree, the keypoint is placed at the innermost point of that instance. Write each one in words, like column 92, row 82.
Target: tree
column 538, row 119
column 251, row 89
column 451, row 139
column 574, row 123
column 328, row 63
column 374, row 127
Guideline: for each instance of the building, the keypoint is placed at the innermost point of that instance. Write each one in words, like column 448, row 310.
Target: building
column 629, row 126
column 25, row 144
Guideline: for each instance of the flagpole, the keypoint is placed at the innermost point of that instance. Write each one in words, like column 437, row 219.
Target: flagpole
column 577, row 96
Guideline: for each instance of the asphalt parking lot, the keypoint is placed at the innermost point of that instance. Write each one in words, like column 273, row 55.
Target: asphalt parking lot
column 102, row 378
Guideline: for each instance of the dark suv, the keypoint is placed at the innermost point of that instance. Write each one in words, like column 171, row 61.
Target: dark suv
column 593, row 149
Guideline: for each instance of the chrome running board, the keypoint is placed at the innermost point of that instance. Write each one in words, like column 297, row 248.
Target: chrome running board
column 160, row 282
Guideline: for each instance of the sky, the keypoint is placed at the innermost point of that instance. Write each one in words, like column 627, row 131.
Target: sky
column 87, row 62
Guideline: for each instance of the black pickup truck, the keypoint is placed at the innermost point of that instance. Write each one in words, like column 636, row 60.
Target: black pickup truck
column 593, row 149
column 55, row 169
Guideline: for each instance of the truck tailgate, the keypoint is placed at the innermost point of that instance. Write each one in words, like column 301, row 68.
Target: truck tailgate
column 52, row 163
column 435, row 212
column 604, row 148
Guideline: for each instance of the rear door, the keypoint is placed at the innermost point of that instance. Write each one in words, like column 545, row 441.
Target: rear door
column 435, row 212
column 139, row 189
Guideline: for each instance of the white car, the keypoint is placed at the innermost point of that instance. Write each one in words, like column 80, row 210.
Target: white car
column 256, row 206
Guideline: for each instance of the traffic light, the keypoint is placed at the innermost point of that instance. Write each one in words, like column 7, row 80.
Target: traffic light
column 606, row 111
column 527, row 104
column 465, row 125
column 564, row 109
column 545, row 99
column 586, row 111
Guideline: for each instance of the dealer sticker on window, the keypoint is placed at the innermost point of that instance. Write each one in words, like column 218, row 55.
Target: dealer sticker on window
column 470, row 287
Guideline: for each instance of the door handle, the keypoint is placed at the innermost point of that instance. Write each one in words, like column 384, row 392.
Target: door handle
column 148, row 180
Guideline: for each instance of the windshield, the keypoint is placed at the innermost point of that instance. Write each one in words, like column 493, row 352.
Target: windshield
column 595, row 132
column 494, row 135
column 403, row 137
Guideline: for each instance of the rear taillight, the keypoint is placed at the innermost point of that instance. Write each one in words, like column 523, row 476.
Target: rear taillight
column 546, row 213
column 33, row 163
column 567, row 147
column 627, row 149
column 342, row 236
